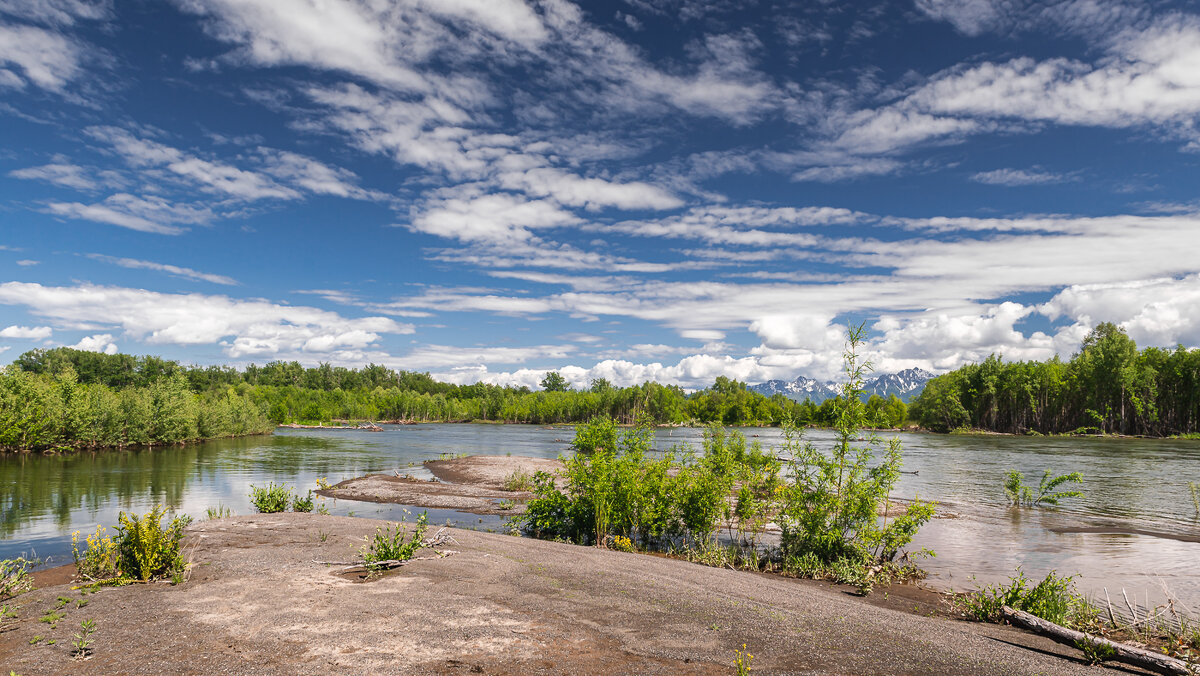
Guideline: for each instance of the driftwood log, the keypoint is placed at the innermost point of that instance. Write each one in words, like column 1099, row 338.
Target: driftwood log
column 1127, row 654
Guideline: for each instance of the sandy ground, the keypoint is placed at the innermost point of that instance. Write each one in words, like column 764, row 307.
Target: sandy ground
column 472, row 484
column 256, row 603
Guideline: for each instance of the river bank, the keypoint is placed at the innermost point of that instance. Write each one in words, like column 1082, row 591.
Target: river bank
column 255, row 602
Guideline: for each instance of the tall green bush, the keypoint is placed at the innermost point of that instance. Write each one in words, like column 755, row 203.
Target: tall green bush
column 832, row 507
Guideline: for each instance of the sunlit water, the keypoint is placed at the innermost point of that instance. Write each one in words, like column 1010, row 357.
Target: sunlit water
column 1129, row 485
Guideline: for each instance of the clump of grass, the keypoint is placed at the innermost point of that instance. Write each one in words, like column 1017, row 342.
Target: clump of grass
column 1194, row 487
column 394, row 543
column 148, row 551
column 14, row 577
column 218, row 512
column 1096, row 653
column 1020, row 495
column 83, row 638
column 506, row 505
column 270, row 499
column 520, row 480
column 1053, row 599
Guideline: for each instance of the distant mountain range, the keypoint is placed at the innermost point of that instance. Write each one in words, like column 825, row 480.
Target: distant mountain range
column 906, row 384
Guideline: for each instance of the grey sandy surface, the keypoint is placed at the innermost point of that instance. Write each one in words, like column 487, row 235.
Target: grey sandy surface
column 256, row 603
column 474, row 484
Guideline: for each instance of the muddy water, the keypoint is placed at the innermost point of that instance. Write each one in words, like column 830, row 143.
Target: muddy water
column 1135, row 527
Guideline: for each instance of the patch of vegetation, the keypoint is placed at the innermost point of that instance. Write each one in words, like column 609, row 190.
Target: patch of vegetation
column 1020, row 495
column 218, row 512
column 99, row 559
column 14, row 577
column 270, row 499
column 829, row 504
column 506, row 505
column 1053, row 599
column 518, row 481
column 1194, row 487
column 1096, row 653
column 395, row 543
column 148, row 551
column 52, row 617
column 303, row 504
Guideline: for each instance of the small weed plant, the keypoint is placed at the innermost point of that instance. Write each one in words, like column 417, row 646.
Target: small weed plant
column 742, row 660
column 1021, row 495
column 395, row 543
column 1194, row 487
column 270, row 499
column 83, row 639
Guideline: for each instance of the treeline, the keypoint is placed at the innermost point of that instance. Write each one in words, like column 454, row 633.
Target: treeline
column 1109, row 386
column 289, row 392
column 41, row 411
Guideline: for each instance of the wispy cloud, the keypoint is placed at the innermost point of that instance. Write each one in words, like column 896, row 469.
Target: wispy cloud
column 174, row 270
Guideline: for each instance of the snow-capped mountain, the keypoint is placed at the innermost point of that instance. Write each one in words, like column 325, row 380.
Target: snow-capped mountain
column 799, row 389
column 906, row 384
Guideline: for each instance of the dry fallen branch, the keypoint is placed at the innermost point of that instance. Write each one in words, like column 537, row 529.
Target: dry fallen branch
column 1128, row 654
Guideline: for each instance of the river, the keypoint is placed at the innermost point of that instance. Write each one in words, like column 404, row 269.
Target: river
column 1135, row 528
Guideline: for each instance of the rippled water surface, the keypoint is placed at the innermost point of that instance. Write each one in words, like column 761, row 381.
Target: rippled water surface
column 1135, row 528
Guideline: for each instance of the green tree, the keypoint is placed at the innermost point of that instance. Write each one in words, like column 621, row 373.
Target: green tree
column 554, row 382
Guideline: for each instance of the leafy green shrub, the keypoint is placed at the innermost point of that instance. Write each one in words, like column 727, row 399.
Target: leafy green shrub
column 831, row 509
column 303, row 504
column 1053, row 599
column 1020, row 495
column 391, row 544
column 145, row 549
column 14, row 577
column 271, row 499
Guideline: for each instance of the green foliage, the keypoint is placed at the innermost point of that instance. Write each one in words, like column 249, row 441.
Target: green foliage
column 270, row 499
column 395, row 544
column 14, row 577
column 519, row 480
column 83, row 638
column 145, row 549
column 1053, row 599
column 1096, row 653
column 1194, row 487
column 1021, row 495
column 742, row 660
column 831, row 509
column 554, row 382
column 218, row 512
column 303, row 504
column 55, row 410
column 1108, row 387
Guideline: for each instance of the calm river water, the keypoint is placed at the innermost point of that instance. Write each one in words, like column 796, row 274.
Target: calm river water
column 1135, row 528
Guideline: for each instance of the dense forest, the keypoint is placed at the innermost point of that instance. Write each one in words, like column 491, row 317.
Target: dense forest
column 1109, row 386
column 64, row 398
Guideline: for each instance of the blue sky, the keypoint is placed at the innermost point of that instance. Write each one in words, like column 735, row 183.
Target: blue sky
column 673, row 190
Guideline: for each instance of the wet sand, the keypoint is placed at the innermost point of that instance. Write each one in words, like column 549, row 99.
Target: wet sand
column 257, row 603
column 474, row 484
